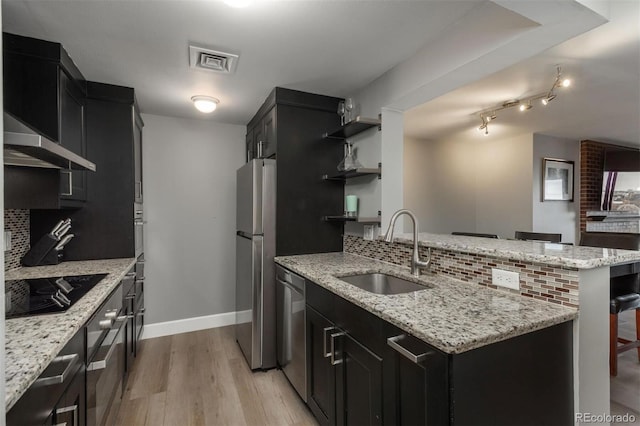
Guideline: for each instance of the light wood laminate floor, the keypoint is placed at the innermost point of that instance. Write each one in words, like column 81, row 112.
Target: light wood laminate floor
column 625, row 387
column 201, row 378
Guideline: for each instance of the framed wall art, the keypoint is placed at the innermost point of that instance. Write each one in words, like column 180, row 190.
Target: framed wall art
column 557, row 180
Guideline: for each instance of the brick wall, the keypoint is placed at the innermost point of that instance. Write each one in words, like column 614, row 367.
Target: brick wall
column 591, row 170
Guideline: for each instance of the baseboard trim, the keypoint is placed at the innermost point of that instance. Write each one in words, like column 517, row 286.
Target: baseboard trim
column 170, row 328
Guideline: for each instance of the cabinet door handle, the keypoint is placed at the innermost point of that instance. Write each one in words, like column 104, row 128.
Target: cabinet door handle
column 138, row 191
column 70, row 174
column 71, row 408
column 326, row 353
column 260, row 149
column 335, row 361
column 60, row 378
column 416, row 359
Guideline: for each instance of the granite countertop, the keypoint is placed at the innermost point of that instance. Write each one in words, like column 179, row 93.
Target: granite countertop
column 31, row 343
column 562, row 255
column 454, row 316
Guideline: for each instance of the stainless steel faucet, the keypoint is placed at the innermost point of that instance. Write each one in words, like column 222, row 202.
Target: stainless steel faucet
column 416, row 263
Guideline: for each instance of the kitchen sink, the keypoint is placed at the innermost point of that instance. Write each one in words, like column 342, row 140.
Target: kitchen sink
column 383, row 284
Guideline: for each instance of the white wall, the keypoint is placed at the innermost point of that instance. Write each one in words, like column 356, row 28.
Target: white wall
column 473, row 185
column 503, row 185
column 556, row 216
column 189, row 204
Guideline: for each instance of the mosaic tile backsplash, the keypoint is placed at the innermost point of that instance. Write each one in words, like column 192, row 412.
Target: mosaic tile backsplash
column 538, row 281
column 16, row 221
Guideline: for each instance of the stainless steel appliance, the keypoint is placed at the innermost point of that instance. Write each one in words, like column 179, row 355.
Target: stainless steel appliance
column 290, row 318
column 106, row 358
column 255, row 273
column 23, row 146
column 47, row 295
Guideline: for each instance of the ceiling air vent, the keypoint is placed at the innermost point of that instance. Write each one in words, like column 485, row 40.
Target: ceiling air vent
column 212, row 60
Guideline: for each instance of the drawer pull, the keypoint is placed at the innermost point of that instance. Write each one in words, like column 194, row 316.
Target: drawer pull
column 105, row 324
column 71, row 361
column 335, row 361
column 72, row 409
column 416, row 359
column 101, row 364
column 326, row 353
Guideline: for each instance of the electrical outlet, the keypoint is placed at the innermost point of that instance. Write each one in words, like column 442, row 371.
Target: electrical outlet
column 7, row 240
column 507, row 279
column 368, row 232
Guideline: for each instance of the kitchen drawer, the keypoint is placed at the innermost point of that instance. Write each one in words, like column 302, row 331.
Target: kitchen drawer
column 321, row 300
column 37, row 404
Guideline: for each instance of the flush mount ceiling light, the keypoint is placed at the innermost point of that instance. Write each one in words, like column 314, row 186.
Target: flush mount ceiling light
column 525, row 104
column 205, row 104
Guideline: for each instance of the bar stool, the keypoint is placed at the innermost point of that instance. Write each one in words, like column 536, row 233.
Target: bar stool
column 624, row 290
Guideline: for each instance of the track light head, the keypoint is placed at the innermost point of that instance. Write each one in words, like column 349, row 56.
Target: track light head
column 525, row 107
column 551, row 96
column 565, row 83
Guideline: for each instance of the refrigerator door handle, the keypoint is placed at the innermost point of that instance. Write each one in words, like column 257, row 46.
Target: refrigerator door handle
column 244, row 235
column 258, row 301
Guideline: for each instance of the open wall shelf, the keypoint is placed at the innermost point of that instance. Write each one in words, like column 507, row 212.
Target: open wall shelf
column 352, row 128
column 375, row 220
column 349, row 174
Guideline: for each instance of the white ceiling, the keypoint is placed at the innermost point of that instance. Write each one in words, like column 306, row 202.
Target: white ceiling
column 602, row 104
column 328, row 47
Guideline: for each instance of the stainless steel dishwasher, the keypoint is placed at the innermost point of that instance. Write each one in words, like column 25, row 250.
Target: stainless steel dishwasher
column 290, row 321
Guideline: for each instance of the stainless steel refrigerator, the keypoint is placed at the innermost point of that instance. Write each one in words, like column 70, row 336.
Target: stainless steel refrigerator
column 255, row 270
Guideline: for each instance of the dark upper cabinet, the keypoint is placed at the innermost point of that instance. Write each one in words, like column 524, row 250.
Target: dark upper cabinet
column 268, row 143
column 261, row 136
column 105, row 227
column 44, row 89
column 289, row 126
column 73, row 183
column 137, row 155
column 249, row 145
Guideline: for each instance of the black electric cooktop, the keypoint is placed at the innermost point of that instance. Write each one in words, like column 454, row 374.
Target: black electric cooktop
column 47, row 295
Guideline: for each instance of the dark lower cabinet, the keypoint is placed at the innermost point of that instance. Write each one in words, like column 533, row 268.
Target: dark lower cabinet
column 358, row 383
column 320, row 372
column 70, row 408
column 363, row 370
column 415, row 379
column 344, row 385
column 58, row 394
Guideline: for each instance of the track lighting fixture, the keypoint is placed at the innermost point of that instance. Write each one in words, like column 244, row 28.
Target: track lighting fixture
column 485, row 123
column 526, row 104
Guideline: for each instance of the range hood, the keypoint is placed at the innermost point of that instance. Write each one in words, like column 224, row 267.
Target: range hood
column 25, row 147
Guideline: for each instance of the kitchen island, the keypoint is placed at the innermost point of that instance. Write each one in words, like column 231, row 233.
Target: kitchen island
column 572, row 276
column 31, row 343
column 449, row 314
